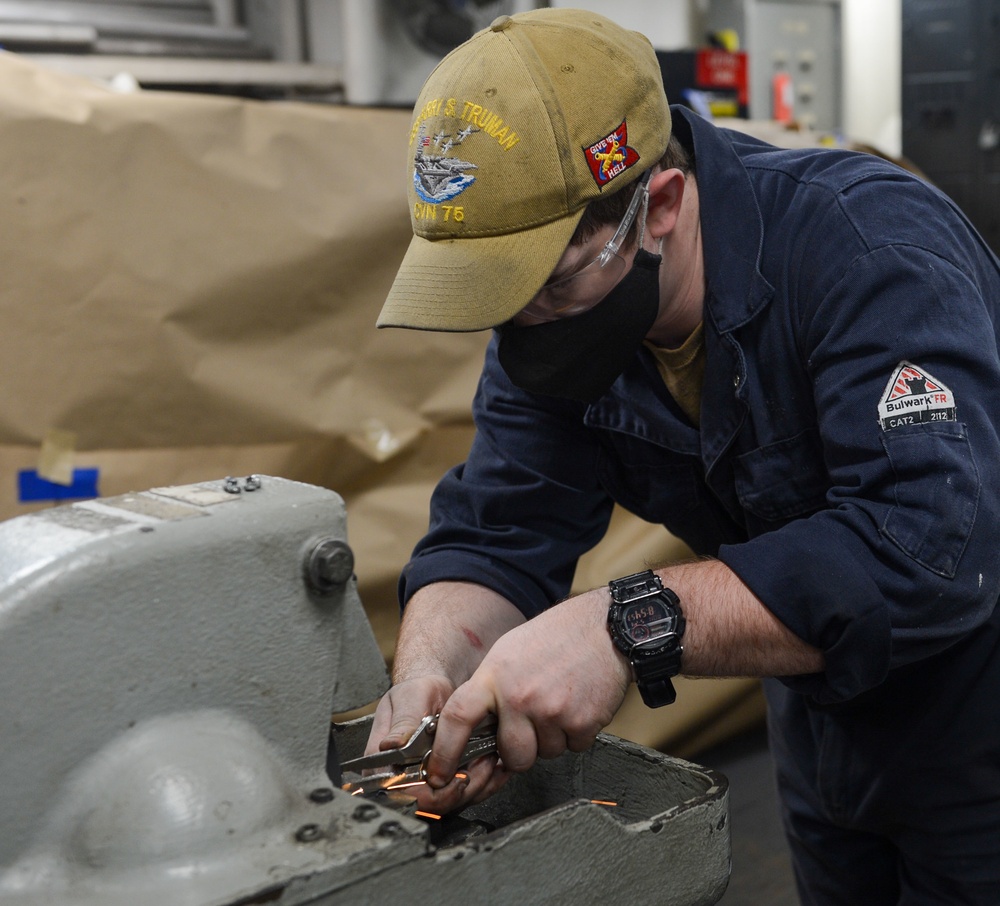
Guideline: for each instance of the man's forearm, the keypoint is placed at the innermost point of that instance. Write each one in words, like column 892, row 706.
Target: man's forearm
column 448, row 627
column 729, row 631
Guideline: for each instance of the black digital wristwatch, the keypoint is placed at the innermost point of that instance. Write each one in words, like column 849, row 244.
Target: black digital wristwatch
column 647, row 625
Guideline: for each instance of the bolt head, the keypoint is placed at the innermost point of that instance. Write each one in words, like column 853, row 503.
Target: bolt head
column 329, row 565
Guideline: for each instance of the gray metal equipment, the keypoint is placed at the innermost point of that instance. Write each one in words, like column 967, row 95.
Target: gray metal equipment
column 797, row 40
column 170, row 661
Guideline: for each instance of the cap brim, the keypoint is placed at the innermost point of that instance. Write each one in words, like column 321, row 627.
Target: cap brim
column 477, row 283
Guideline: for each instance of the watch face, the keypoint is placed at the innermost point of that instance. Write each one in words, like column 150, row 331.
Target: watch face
column 647, row 619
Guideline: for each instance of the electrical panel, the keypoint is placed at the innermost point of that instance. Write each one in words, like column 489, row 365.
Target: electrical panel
column 794, row 52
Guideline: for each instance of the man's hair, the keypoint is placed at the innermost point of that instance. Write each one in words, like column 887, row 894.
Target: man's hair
column 611, row 208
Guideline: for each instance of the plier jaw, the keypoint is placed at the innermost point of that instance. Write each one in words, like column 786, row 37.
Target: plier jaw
column 402, row 766
column 384, row 781
column 407, row 764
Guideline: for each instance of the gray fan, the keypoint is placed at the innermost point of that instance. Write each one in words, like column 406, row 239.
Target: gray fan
column 439, row 26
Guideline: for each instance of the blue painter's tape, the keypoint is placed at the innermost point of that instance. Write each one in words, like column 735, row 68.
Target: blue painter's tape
column 31, row 488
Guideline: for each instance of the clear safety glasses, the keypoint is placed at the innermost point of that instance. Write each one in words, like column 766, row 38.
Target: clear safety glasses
column 583, row 289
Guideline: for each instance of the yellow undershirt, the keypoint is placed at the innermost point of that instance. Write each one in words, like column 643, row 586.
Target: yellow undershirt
column 683, row 371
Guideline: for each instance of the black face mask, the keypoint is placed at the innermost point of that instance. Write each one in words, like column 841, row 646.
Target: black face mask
column 580, row 357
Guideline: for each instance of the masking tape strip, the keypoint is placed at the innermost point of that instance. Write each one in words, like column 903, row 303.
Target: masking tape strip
column 55, row 461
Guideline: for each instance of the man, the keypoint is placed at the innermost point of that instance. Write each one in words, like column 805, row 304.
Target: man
column 805, row 387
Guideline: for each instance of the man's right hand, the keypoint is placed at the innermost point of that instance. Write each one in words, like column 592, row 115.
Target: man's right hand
column 396, row 718
column 403, row 707
column 446, row 631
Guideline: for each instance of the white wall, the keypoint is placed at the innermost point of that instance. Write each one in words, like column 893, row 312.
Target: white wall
column 667, row 23
column 872, row 31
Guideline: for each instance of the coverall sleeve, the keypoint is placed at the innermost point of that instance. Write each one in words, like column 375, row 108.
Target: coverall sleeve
column 901, row 560
column 518, row 514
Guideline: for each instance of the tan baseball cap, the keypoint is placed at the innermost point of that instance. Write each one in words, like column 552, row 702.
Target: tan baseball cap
column 513, row 133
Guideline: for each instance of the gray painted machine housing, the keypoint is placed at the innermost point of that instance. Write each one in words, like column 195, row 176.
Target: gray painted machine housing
column 170, row 661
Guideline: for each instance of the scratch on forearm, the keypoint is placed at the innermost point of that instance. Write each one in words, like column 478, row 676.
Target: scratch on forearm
column 474, row 639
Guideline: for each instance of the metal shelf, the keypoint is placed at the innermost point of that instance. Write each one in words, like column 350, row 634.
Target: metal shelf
column 153, row 71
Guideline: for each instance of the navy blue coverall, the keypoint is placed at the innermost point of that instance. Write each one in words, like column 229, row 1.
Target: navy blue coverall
column 846, row 468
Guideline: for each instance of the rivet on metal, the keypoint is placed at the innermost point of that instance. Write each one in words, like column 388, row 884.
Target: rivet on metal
column 321, row 794
column 231, row 485
column 308, row 833
column 251, row 483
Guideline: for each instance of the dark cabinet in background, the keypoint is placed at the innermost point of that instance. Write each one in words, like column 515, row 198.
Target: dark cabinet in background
column 951, row 102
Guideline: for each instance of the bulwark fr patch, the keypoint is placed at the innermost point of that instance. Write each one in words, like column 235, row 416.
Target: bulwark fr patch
column 914, row 396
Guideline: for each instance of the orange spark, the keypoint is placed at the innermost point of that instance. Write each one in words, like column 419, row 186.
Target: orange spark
column 403, row 786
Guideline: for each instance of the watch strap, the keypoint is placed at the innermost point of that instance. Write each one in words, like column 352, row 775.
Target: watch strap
column 638, row 585
column 657, row 693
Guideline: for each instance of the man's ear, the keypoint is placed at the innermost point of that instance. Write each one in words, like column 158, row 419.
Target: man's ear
column 666, row 192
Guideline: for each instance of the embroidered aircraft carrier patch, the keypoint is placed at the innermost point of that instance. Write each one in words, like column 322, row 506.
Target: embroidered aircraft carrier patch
column 914, row 396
